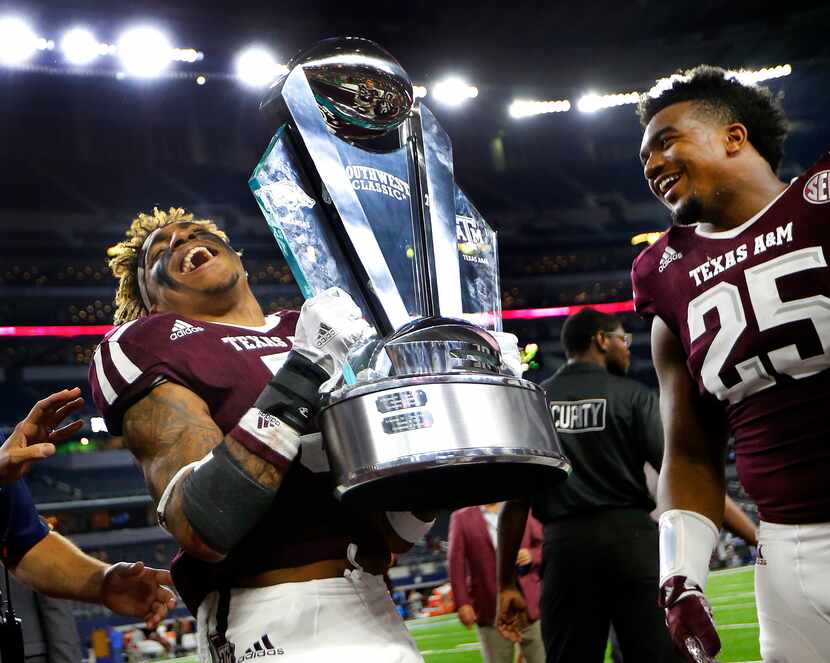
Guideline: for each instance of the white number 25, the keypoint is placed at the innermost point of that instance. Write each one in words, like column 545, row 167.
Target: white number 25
column 770, row 312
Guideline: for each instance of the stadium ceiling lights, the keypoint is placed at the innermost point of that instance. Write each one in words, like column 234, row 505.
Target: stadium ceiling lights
column 592, row 102
column 745, row 76
column 80, row 47
column 520, row 108
column 750, row 77
column 256, row 67
column 144, row 51
column 18, row 42
column 454, row 91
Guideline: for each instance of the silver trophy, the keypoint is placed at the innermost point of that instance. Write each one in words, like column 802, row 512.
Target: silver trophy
column 357, row 187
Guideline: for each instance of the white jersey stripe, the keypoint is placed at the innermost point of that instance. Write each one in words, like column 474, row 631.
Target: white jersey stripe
column 128, row 370
column 120, row 330
column 106, row 387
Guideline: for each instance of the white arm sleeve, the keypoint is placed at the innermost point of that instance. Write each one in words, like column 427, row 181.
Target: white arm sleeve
column 686, row 543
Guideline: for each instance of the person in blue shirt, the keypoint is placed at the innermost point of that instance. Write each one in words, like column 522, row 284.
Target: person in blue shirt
column 45, row 560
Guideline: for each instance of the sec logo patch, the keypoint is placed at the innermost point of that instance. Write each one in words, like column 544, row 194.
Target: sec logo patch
column 817, row 188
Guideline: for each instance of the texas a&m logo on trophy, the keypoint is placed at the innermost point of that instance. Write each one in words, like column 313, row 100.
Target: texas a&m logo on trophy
column 357, row 187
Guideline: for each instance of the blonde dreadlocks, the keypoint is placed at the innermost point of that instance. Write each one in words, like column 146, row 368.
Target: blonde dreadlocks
column 124, row 258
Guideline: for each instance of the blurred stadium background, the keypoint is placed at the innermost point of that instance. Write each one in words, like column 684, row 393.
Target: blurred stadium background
column 88, row 138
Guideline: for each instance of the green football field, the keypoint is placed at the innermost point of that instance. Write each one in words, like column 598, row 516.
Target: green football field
column 445, row 640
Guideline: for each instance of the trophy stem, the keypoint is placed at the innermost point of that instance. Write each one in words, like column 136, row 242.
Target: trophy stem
column 419, row 201
column 426, row 285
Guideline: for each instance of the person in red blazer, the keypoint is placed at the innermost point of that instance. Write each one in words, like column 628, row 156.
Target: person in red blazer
column 472, row 565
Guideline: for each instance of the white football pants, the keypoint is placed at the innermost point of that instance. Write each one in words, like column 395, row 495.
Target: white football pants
column 343, row 619
column 792, row 589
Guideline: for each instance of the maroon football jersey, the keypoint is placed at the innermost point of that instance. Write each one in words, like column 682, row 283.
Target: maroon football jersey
column 228, row 366
column 751, row 307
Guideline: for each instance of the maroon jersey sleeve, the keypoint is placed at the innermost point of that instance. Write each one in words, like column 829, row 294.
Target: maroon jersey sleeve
column 128, row 363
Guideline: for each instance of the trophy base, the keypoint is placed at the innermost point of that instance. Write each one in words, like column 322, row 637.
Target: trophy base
column 441, row 441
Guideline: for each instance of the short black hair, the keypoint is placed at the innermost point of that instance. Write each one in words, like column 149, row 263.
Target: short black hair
column 723, row 97
column 582, row 326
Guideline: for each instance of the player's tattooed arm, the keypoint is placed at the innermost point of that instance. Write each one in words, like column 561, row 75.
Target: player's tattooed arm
column 692, row 475
column 170, row 428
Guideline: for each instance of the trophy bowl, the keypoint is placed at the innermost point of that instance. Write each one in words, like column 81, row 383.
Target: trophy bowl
column 361, row 90
column 435, row 421
column 441, row 441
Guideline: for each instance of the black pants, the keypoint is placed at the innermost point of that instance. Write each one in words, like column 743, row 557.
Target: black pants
column 602, row 569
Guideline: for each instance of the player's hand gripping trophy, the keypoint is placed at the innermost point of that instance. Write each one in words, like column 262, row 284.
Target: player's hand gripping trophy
column 357, row 187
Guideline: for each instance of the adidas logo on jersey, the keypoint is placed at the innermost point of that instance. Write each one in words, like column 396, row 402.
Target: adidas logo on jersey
column 324, row 335
column 260, row 648
column 181, row 328
column 265, row 420
column 668, row 257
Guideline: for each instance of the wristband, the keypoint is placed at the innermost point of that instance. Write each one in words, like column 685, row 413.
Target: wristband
column 266, row 436
column 408, row 526
column 686, row 543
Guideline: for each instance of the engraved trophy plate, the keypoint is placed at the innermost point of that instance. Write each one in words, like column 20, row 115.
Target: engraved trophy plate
column 355, row 204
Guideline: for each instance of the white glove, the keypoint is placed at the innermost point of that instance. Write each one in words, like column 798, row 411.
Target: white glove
column 330, row 324
column 511, row 360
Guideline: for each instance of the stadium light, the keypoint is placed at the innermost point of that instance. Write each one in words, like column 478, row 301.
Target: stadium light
column 80, row 47
column 189, row 55
column 256, row 67
column 744, row 76
column 18, row 42
column 454, row 91
column 754, row 76
column 520, row 108
column 592, row 102
column 663, row 84
column 144, row 51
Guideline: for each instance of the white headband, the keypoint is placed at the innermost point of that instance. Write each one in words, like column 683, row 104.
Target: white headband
column 142, row 258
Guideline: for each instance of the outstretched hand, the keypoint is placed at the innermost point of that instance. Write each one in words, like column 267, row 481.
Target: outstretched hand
column 136, row 590
column 512, row 618
column 35, row 437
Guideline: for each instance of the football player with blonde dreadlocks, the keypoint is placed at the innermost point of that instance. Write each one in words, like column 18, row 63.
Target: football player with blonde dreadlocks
column 212, row 397
column 131, row 298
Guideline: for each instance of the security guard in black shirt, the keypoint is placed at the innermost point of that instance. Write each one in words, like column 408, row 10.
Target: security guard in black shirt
column 600, row 556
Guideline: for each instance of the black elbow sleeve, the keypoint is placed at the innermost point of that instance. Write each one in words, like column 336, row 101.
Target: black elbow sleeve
column 222, row 502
